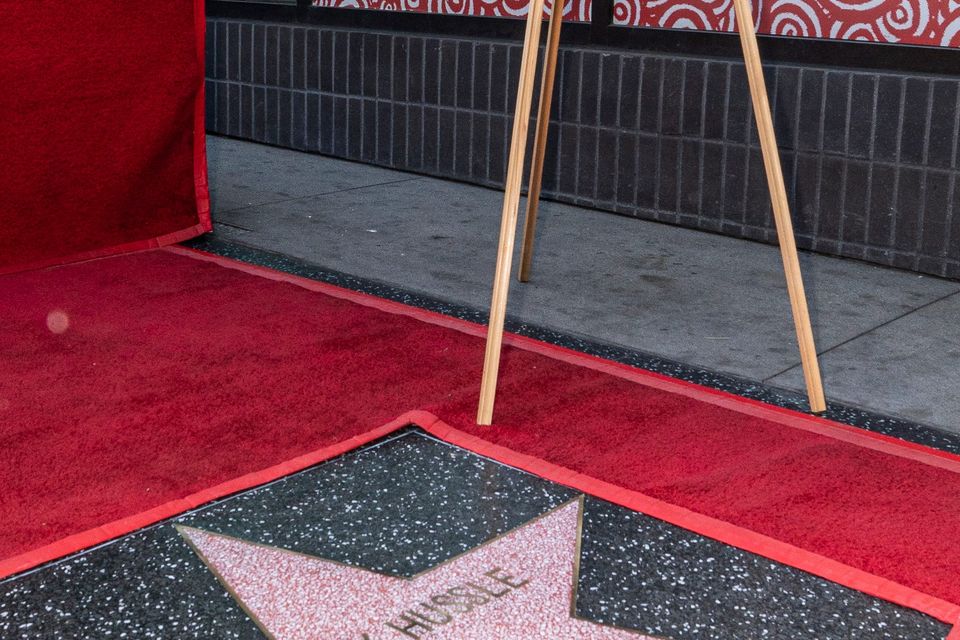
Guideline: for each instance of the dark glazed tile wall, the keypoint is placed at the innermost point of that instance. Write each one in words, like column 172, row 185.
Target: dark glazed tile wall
column 870, row 159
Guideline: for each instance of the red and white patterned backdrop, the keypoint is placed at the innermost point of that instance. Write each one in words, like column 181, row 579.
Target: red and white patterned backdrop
column 573, row 10
column 923, row 22
column 920, row 22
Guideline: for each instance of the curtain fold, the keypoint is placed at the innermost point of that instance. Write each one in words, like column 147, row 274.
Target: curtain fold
column 101, row 129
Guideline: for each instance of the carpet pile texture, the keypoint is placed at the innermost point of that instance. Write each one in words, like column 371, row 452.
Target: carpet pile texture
column 137, row 379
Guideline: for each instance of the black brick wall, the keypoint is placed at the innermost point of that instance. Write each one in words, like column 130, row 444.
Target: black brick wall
column 870, row 159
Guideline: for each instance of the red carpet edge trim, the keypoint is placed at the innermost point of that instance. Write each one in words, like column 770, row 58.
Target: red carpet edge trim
column 117, row 528
column 716, row 529
column 821, row 426
column 724, row 532
column 130, row 247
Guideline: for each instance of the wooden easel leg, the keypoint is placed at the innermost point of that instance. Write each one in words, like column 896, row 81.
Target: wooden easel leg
column 540, row 141
column 781, row 209
column 508, row 222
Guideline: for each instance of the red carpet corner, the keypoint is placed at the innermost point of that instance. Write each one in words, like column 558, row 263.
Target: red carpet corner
column 177, row 374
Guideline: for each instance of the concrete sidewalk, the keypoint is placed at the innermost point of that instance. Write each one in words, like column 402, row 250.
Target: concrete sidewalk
column 889, row 340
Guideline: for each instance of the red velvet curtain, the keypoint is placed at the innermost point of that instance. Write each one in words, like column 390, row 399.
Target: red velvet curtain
column 101, row 128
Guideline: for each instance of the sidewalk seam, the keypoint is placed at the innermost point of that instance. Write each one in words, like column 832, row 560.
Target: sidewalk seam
column 316, row 195
column 868, row 331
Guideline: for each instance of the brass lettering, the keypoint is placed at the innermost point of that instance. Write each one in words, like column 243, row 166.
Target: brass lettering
column 411, row 624
column 471, row 597
column 461, row 599
column 500, row 576
column 446, row 617
column 448, row 601
column 495, row 594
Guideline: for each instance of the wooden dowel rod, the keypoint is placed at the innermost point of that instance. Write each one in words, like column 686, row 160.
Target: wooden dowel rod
column 540, row 141
column 781, row 208
column 508, row 218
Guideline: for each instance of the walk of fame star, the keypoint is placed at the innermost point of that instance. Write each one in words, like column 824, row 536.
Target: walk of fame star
column 521, row 585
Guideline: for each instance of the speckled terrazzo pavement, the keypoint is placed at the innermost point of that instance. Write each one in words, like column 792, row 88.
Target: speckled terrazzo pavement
column 895, row 427
column 407, row 504
column 696, row 587
column 399, row 508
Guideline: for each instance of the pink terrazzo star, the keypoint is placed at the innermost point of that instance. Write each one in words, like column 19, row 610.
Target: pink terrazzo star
column 517, row 587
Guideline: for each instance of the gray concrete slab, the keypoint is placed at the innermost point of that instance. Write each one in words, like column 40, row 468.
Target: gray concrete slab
column 261, row 174
column 690, row 296
column 911, row 367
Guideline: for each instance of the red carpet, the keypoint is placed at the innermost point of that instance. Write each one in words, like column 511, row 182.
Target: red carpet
column 175, row 374
column 102, row 129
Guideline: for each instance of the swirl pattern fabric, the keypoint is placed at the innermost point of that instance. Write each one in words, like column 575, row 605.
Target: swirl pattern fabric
column 573, row 10
column 913, row 22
